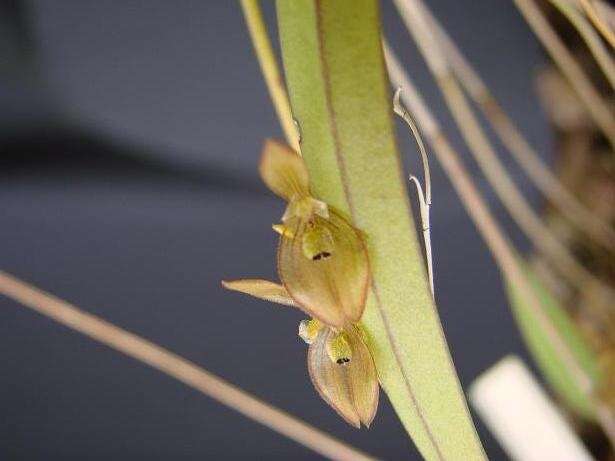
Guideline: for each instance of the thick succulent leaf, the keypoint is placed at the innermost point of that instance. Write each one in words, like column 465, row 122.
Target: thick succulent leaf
column 283, row 170
column 263, row 289
column 340, row 97
column 323, row 265
column 350, row 388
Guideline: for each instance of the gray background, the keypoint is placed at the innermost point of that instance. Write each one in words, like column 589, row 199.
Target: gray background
column 129, row 137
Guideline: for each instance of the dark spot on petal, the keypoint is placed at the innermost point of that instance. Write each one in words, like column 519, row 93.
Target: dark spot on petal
column 321, row 255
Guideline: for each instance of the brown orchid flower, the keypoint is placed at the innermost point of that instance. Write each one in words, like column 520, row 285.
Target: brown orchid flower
column 322, row 262
column 340, row 365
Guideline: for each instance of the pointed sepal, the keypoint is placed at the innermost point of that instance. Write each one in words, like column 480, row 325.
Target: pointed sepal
column 263, row 289
column 283, row 171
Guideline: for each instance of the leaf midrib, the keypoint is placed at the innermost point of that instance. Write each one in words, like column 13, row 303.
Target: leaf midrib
column 348, row 196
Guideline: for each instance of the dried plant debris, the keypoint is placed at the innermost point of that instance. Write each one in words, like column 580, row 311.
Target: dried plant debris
column 323, row 265
column 586, row 166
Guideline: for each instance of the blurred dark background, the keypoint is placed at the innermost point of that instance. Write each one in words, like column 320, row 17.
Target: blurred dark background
column 129, row 138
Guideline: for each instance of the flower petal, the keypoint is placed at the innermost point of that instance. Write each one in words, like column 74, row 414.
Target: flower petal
column 350, row 388
column 283, row 171
column 323, row 265
column 263, row 289
column 363, row 379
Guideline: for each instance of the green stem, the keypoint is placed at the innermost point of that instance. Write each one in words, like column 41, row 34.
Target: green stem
column 339, row 95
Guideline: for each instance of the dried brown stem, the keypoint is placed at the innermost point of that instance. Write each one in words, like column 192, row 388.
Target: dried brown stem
column 589, row 36
column 177, row 367
column 517, row 144
column 497, row 241
column 484, row 153
column 594, row 16
column 596, row 107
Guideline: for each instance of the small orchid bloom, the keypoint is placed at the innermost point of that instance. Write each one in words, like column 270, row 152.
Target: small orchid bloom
column 343, row 372
column 323, row 266
column 340, row 365
column 322, row 259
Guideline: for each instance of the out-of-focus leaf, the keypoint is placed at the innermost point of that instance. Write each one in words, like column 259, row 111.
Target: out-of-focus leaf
column 340, row 98
column 554, row 370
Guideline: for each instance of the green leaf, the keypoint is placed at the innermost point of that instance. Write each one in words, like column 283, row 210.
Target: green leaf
column 340, row 98
column 554, row 370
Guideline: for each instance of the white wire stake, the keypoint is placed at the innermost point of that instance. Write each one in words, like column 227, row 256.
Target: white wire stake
column 424, row 198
